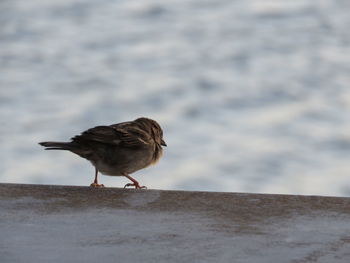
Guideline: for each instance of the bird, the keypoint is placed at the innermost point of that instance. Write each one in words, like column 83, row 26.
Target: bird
column 118, row 149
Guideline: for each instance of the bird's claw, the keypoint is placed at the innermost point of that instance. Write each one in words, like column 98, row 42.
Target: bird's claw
column 95, row 185
column 137, row 186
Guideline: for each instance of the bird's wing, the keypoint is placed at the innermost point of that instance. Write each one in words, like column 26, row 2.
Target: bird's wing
column 132, row 135
column 124, row 136
column 103, row 134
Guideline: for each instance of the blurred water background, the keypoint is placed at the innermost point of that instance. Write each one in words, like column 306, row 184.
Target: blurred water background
column 253, row 95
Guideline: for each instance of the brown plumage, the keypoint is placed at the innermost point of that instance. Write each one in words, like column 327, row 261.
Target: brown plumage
column 119, row 149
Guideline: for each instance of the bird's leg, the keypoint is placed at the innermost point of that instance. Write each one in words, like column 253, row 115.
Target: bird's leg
column 95, row 183
column 134, row 183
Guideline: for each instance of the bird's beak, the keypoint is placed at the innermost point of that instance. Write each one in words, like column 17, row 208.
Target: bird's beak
column 162, row 142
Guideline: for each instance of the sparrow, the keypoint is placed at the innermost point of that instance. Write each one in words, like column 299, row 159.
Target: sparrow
column 118, row 149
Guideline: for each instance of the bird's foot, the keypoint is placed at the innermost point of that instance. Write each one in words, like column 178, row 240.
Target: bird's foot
column 136, row 185
column 96, row 185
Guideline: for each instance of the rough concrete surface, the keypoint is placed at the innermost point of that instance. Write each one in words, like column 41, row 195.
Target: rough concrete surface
column 42, row 223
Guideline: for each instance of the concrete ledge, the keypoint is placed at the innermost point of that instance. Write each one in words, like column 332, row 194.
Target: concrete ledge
column 42, row 223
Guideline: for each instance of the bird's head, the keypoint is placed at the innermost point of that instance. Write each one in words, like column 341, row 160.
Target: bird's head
column 154, row 128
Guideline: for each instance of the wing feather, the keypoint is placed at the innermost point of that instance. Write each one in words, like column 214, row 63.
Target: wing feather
column 123, row 135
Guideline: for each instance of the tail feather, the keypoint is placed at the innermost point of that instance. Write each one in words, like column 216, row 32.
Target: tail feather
column 56, row 145
column 68, row 146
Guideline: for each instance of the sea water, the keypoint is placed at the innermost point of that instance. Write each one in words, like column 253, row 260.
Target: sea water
column 253, row 96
